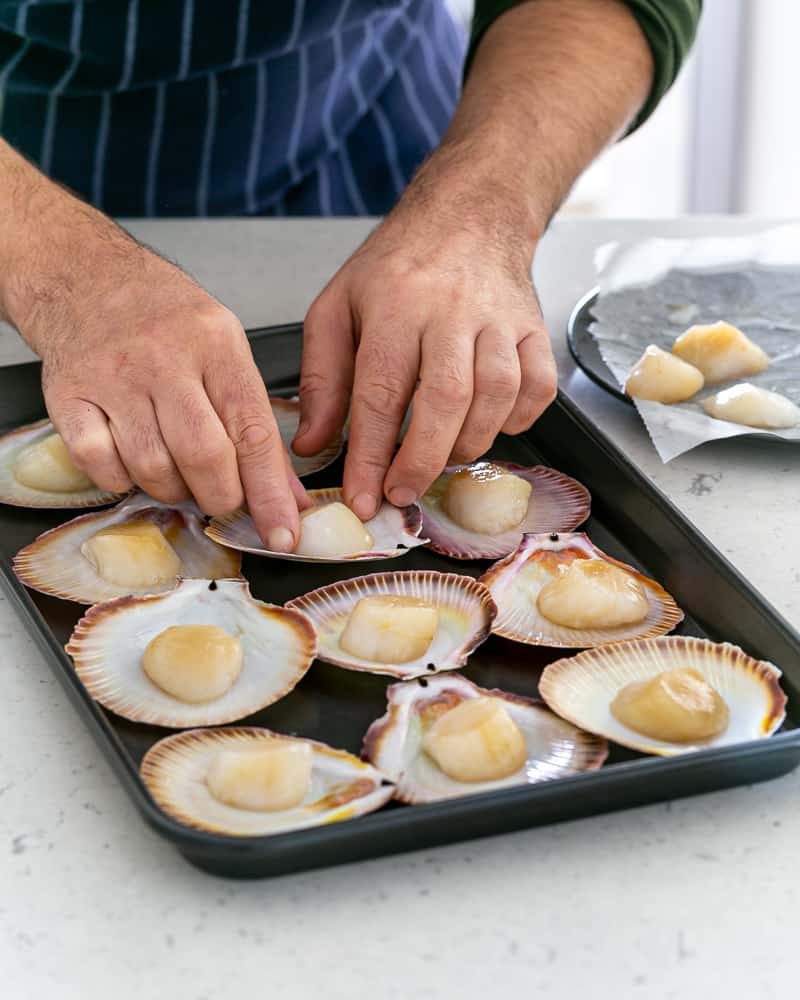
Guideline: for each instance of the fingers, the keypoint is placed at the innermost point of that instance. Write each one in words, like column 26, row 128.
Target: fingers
column 385, row 376
column 496, row 381
column 239, row 396
column 84, row 428
column 144, row 452
column 538, row 384
column 440, row 405
column 201, row 449
column 326, row 374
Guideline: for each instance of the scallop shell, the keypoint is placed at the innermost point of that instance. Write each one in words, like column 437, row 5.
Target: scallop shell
column 287, row 414
column 581, row 688
column 556, row 749
column 557, row 503
column 466, row 612
column 395, row 530
column 515, row 582
column 53, row 563
column 16, row 494
column 109, row 641
column 175, row 769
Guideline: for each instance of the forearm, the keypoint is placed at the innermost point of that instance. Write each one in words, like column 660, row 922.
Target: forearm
column 50, row 243
column 552, row 83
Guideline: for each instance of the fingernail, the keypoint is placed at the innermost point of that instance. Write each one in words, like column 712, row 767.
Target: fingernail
column 402, row 496
column 364, row 506
column 302, row 429
column 280, row 540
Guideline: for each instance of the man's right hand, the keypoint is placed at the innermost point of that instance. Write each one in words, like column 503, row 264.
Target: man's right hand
column 148, row 378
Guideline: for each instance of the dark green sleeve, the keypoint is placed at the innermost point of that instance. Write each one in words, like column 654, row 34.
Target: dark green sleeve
column 668, row 25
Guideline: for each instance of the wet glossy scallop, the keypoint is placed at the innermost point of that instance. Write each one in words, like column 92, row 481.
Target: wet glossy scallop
column 261, row 652
column 403, row 743
column 586, row 690
column 391, row 533
column 191, row 774
column 141, row 546
column 464, row 612
column 474, row 511
column 560, row 590
column 36, row 471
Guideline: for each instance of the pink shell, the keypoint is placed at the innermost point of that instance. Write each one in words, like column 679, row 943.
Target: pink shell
column 519, row 619
column 557, row 503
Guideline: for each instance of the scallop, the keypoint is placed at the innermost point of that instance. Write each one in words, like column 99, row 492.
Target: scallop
column 720, row 351
column 330, row 532
column 443, row 737
column 226, row 781
column 663, row 377
column 287, row 415
column 483, row 496
column 386, row 639
column 36, row 471
column 560, row 590
column 753, row 406
column 659, row 696
column 141, row 546
column 235, row 656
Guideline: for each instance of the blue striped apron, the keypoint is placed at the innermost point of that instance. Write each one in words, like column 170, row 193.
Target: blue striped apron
column 229, row 107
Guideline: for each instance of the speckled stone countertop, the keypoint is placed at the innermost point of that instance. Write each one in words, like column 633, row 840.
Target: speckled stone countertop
column 688, row 899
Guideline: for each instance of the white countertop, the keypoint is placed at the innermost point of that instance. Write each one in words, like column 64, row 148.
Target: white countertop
column 674, row 900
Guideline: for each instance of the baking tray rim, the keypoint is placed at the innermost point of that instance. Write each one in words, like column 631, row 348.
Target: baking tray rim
column 605, row 378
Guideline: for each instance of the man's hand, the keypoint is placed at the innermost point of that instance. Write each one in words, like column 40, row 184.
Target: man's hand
column 148, row 378
column 438, row 302
column 436, row 307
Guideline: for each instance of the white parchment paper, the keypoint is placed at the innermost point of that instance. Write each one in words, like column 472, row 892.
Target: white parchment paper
column 652, row 290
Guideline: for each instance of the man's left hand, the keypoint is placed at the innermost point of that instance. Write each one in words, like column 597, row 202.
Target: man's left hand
column 436, row 308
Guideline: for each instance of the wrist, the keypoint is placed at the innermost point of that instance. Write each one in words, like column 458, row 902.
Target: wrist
column 474, row 181
column 51, row 248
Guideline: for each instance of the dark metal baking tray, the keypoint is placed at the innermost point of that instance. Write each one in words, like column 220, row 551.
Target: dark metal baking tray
column 585, row 350
column 630, row 519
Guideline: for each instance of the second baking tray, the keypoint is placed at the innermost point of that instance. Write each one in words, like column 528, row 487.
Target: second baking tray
column 630, row 519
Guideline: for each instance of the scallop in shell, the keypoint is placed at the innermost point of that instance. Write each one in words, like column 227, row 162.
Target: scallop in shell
column 555, row 503
column 395, row 743
column 517, row 585
column 390, row 533
column 109, row 645
column 287, row 415
column 34, row 454
column 464, row 615
column 582, row 689
column 65, row 562
column 176, row 771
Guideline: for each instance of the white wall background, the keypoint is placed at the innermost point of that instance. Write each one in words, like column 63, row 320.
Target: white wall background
column 769, row 150
column 727, row 136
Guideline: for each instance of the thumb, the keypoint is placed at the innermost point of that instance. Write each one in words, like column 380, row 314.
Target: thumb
column 326, row 373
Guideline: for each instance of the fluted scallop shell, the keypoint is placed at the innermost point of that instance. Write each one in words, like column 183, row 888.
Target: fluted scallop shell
column 581, row 688
column 108, row 643
column 16, row 494
column 557, row 503
column 175, row 770
column 394, row 530
column 466, row 612
column 53, row 563
column 556, row 749
column 515, row 583
column 287, row 414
